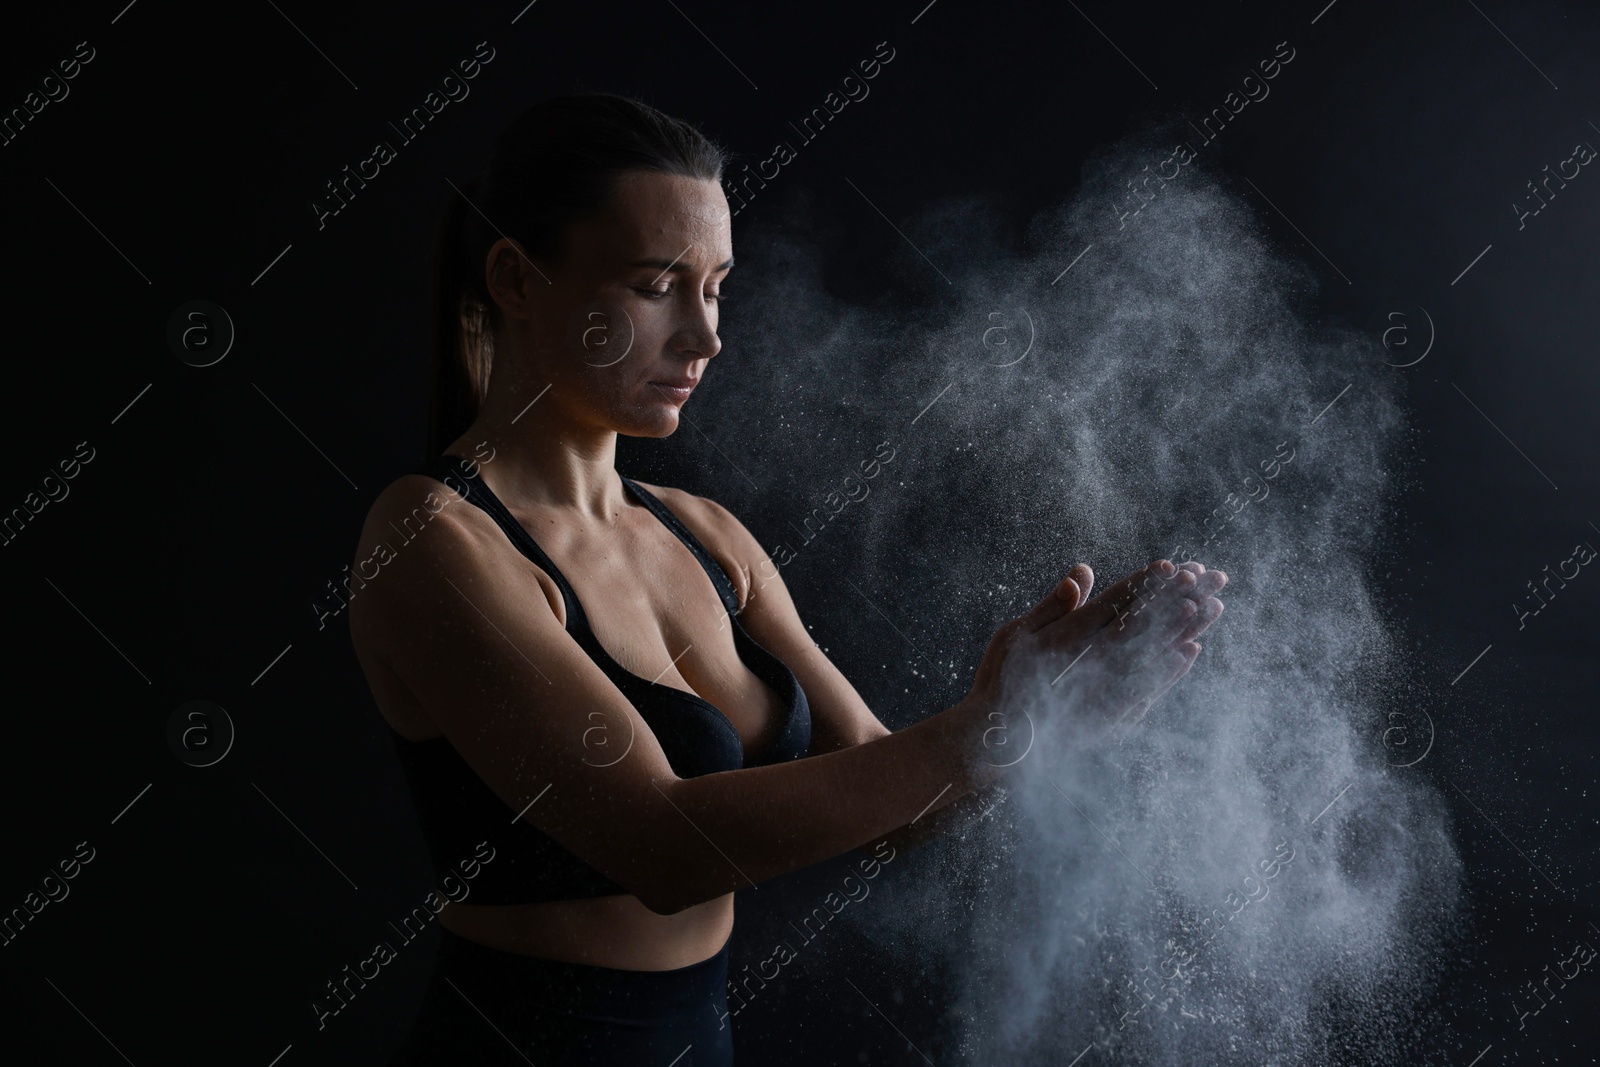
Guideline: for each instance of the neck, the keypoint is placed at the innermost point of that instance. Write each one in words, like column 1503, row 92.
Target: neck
column 543, row 454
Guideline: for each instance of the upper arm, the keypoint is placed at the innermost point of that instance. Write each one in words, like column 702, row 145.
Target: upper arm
column 462, row 622
column 839, row 717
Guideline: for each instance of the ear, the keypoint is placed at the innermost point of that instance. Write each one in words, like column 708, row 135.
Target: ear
column 509, row 275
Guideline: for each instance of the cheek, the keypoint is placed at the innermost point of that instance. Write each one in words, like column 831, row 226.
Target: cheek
column 602, row 333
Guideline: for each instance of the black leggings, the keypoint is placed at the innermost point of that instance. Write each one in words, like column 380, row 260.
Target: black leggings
column 487, row 1007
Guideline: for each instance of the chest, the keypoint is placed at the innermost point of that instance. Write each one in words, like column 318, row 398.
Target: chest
column 655, row 612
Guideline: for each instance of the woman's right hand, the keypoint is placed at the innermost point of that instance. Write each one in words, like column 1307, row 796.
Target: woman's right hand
column 1117, row 652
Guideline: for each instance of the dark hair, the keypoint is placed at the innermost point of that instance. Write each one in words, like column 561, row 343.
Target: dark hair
column 557, row 163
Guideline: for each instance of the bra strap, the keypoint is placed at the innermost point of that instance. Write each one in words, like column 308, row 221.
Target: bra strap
column 714, row 570
column 455, row 469
column 452, row 470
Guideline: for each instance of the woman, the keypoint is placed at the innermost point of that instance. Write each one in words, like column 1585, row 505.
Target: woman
column 656, row 729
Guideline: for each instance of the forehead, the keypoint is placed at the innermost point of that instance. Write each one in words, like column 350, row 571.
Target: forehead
column 664, row 215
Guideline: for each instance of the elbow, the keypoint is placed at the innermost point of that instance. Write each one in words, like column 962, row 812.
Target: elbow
column 663, row 904
column 664, row 901
column 670, row 895
column 661, row 887
column 654, row 889
column 667, row 874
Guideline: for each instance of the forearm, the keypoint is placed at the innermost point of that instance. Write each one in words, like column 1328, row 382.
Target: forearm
column 950, row 819
column 753, row 824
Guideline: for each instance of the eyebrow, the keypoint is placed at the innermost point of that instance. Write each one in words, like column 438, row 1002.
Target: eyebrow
column 665, row 265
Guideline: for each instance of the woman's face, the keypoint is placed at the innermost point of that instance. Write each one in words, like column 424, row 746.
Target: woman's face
column 630, row 318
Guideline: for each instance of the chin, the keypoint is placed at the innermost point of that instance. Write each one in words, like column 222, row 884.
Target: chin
column 658, row 422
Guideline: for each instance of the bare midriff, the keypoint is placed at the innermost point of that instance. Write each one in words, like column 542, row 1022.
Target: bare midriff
column 615, row 931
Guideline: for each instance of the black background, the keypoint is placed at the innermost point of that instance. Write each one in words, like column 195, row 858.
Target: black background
column 184, row 560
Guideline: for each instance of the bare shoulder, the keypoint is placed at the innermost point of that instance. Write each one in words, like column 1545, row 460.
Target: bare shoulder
column 419, row 533
column 412, row 504
column 724, row 536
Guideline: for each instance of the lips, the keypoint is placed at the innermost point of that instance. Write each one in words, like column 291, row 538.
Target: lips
column 676, row 390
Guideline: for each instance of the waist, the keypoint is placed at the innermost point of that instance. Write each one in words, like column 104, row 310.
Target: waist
column 581, row 1013
column 613, row 932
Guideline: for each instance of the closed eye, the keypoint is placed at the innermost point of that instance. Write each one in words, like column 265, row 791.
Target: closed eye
column 658, row 294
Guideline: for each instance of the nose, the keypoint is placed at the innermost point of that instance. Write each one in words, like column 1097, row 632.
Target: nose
column 696, row 338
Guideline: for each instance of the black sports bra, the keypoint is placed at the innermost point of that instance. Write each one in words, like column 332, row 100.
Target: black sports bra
column 458, row 810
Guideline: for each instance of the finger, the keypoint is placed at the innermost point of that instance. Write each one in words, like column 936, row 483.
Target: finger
column 1194, row 567
column 1119, row 612
column 1066, row 596
column 1114, row 601
column 1209, row 583
column 1151, row 603
column 1163, row 626
column 1210, row 612
column 1083, row 574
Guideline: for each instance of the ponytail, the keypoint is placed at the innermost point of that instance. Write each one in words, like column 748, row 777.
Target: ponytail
column 463, row 342
column 556, row 164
